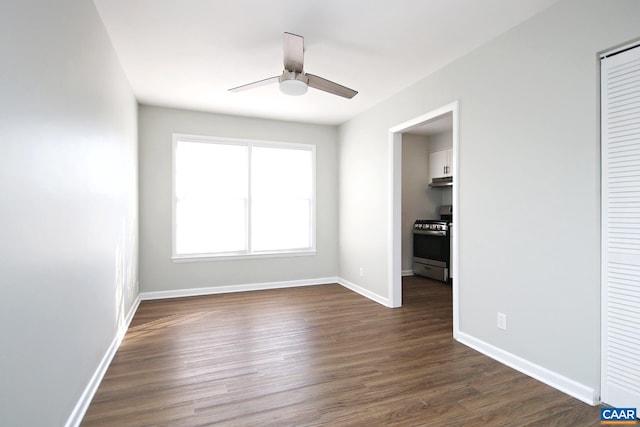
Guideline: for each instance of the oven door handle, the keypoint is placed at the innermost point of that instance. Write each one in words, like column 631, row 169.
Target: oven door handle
column 430, row 232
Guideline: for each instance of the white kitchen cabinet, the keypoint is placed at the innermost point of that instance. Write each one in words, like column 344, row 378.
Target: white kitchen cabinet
column 441, row 163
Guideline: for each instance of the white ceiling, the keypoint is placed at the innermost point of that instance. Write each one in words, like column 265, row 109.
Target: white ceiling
column 187, row 53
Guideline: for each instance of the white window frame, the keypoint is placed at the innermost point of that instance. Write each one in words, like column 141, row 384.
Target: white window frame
column 176, row 137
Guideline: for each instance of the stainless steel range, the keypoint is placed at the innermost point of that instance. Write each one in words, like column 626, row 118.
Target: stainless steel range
column 431, row 246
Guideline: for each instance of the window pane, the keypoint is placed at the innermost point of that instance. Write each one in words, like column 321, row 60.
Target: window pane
column 281, row 173
column 281, row 194
column 279, row 225
column 207, row 227
column 216, row 170
column 211, row 192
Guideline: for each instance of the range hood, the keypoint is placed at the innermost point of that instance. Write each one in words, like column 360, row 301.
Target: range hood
column 445, row 181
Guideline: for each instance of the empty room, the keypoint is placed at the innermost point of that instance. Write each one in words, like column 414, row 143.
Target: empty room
column 305, row 213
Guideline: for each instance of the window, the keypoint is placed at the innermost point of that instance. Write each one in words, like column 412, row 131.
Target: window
column 242, row 198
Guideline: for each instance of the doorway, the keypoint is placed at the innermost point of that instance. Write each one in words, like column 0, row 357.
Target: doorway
column 395, row 202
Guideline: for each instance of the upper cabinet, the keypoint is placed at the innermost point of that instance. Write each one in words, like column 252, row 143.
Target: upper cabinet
column 441, row 164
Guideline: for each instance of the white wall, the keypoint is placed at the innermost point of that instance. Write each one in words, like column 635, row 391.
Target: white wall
column 68, row 216
column 529, row 145
column 157, row 271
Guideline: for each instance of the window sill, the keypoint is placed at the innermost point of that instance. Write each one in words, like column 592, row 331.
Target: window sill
column 208, row 258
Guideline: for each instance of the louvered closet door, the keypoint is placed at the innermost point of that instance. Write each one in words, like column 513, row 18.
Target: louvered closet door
column 620, row 88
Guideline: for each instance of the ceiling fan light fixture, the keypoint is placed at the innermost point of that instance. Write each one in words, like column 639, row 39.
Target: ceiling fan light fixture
column 293, row 87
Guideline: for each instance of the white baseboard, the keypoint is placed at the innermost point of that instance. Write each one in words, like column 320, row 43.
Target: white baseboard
column 181, row 293
column 364, row 292
column 82, row 405
column 566, row 385
column 407, row 273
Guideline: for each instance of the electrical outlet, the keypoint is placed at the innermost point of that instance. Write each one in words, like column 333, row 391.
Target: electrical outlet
column 502, row 321
column 361, row 271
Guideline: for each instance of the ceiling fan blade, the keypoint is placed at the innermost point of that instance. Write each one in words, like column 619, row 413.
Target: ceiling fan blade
column 255, row 84
column 293, row 49
column 331, row 87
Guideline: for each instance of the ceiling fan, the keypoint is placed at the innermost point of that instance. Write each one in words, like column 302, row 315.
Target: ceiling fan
column 293, row 80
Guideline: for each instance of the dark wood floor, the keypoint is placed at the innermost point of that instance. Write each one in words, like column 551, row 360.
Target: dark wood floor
column 315, row 356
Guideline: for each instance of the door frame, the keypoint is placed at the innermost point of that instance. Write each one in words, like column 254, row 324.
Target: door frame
column 395, row 205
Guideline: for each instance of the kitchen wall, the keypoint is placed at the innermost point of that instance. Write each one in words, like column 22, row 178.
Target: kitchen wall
column 158, row 272
column 68, row 217
column 529, row 145
column 440, row 141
